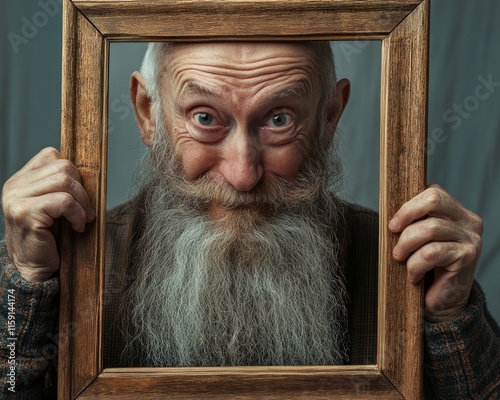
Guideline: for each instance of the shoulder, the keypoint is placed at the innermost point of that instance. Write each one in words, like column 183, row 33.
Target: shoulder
column 123, row 213
column 359, row 212
column 360, row 227
column 360, row 257
column 123, row 222
column 359, row 219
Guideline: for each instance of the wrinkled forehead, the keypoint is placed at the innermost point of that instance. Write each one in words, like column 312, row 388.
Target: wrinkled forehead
column 241, row 59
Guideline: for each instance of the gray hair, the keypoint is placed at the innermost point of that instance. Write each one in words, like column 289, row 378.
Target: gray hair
column 151, row 67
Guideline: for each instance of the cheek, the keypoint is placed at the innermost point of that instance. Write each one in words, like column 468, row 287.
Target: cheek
column 196, row 159
column 285, row 162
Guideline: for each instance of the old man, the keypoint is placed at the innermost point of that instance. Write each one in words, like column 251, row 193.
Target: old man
column 237, row 251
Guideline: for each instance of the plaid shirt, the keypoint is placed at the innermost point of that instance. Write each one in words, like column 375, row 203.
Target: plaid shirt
column 462, row 358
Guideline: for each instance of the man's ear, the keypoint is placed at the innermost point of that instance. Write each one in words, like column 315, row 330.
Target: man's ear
column 143, row 107
column 339, row 101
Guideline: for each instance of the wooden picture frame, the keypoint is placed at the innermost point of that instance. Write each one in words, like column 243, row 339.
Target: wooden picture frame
column 89, row 26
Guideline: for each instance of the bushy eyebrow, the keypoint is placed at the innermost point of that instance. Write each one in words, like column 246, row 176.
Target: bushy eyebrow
column 297, row 89
column 193, row 87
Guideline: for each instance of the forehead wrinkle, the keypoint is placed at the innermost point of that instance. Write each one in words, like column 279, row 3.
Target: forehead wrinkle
column 291, row 76
column 294, row 83
column 297, row 88
column 239, row 69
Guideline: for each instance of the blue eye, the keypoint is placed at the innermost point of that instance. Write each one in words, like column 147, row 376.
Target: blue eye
column 205, row 119
column 280, row 120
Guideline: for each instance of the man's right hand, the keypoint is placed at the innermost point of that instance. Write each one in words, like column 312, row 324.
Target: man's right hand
column 46, row 188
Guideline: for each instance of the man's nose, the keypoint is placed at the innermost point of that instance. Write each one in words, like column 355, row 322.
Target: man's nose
column 242, row 161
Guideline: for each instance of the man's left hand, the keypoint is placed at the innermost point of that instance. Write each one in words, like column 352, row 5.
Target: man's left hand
column 440, row 234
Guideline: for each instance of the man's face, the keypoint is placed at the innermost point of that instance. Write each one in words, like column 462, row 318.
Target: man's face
column 239, row 113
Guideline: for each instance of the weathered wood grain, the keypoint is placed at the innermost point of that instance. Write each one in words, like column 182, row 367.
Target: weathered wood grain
column 402, row 176
column 243, row 383
column 195, row 20
column 84, row 121
column 88, row 27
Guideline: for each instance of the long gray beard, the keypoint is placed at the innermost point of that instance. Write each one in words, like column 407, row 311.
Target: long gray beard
column 248, row 290
column 270, row 296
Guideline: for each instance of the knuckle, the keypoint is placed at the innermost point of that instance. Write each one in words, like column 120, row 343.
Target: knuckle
column 436, row 186
column 65, row 166
column 66, row 200
column 428, row 252
column 432, row 227
column 51, row 153
column 63, row 180
column 472, row 250
column 18, row 213
column 434, row 196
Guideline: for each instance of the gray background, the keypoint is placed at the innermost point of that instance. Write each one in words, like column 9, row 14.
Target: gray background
column 464, row 123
